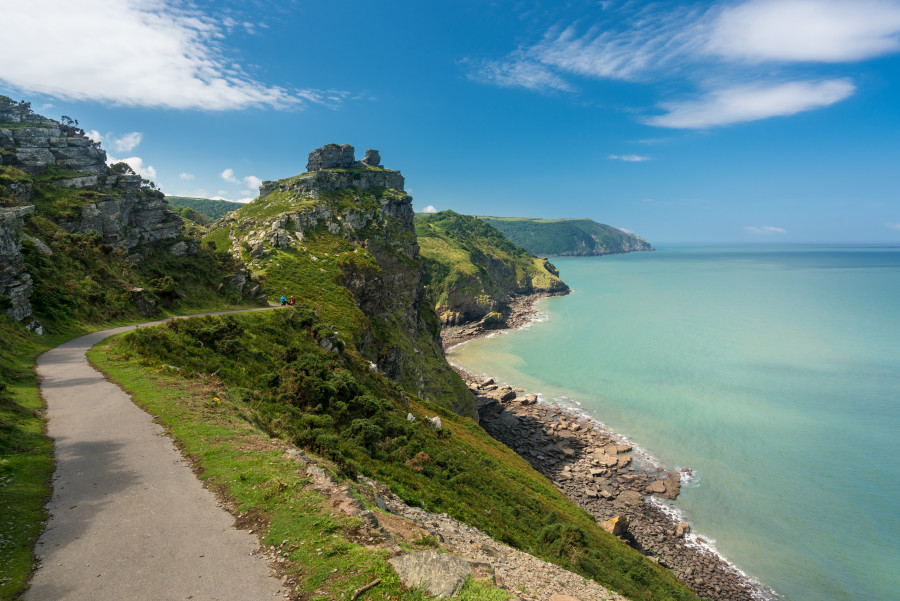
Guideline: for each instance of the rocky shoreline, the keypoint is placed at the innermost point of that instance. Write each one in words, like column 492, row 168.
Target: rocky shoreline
column 595, row 468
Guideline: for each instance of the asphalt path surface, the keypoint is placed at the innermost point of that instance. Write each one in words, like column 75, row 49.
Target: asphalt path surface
column 128, row 518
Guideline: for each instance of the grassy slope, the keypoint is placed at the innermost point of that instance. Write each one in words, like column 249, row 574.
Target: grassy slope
column 214, row 209
column 472, row 266
column 549, row 237
column 317, row 271
column 241, row 462
column 271, row 369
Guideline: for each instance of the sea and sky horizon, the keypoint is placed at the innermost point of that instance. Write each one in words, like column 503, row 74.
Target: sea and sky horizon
column 771, row 371
column 753, row 142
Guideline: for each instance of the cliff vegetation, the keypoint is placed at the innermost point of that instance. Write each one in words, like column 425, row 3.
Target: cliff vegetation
column 567, row 237
column 473, row 271
column 213, row 209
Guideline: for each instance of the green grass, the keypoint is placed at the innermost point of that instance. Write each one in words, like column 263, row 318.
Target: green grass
column 241, row 463
column 270, row 369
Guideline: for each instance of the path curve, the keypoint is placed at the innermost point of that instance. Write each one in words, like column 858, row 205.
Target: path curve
column 128, row 518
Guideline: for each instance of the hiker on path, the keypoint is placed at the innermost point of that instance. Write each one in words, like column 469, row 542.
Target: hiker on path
column 283, row 300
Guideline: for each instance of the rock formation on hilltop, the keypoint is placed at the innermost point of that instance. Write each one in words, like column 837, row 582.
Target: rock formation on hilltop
column 341, row 238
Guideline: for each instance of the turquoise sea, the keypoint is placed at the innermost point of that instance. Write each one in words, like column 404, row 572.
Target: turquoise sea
column 772, row 371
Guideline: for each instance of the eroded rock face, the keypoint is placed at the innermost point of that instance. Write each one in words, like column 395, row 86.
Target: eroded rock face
column 15, row 283
column 127, row 217
column 331, row 156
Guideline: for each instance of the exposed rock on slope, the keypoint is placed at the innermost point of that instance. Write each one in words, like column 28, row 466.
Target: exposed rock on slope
column 15, row 282
column 474, row 272
column 341, row 239
column 96, row 241
column 565, row 237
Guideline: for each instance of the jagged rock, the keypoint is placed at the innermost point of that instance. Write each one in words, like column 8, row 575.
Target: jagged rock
column 331, row 156
column 435, row 422
column 441, row 575
column 39, row 245
column 15, row 282
column 656, row 487
column 682, row 528
column 373, row 158
column 144, row 306
column 617, row 526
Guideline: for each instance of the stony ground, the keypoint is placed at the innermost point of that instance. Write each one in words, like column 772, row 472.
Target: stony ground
column 595, row 470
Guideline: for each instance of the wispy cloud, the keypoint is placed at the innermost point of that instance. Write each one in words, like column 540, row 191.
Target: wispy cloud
column 892, row 225
column 186, row 176
column 253, row 181
column 726, row 50
column 158, row 53
column 751, row 103
column 766, row 230
column 628, row 158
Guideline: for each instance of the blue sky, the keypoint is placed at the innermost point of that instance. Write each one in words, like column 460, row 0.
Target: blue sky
column 754, row 120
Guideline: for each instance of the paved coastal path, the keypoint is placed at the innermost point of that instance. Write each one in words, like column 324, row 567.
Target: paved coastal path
column 128, row 518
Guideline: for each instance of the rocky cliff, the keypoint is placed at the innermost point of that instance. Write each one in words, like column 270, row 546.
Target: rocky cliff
column 340, row 238
column 475, row 273
column 83, row 240
column 15, row 282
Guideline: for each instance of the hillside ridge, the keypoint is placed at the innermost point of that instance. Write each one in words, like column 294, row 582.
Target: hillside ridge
column 567, row 237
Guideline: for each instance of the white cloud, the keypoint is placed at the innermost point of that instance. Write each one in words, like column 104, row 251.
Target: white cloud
column 219, row 197
column 228, row 176
column 629, row 158
column 429, row 209
column 831, row 31
column 725, row 49
column 752, row 102
column 128, row 142
column 94, row 135
column 186, row 176
column 893, row 226
column 156, row 53
column 766, row 230
column 246, row 200
column 252, row 181
column 136, row 163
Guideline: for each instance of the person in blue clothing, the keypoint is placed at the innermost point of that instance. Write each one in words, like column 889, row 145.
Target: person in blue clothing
column 283, row 300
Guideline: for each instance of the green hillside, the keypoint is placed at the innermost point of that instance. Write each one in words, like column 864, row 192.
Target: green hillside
column 274, row 370
column 474, row 271
column 567, row 237
column 214, row 209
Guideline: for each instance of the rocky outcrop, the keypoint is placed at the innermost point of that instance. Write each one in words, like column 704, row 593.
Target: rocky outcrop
column 126, row 213
column 15, row 283
column 127, row 216
column 439, row 574
column 36, row 143
column 368, row 207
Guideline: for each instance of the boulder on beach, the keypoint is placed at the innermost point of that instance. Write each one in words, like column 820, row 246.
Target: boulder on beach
column 656, row 487
column 617, row 526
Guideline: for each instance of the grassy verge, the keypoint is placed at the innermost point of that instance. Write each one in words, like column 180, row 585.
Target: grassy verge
column 264, row 487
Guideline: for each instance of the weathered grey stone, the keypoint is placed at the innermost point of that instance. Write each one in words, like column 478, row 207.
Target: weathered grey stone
column 373, row 158
column 441, row 575
column 331, row 156
column 15, row 282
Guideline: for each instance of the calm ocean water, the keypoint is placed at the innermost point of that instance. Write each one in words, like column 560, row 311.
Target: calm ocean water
column 772, row 371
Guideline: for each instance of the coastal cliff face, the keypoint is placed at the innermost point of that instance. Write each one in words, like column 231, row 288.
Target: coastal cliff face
column 567, row 237
column 80, row 239
column 341, row 239
column 475, row 273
